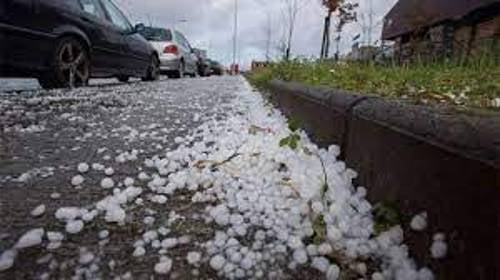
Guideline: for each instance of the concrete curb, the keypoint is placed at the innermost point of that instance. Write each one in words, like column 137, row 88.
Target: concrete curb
column 472, row 134
column 438, row 160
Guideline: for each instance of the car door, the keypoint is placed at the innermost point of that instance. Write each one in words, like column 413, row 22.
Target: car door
column 192, row 57
column 105, row 41
column 186, row 51
column 122, row 27
column 18, row 20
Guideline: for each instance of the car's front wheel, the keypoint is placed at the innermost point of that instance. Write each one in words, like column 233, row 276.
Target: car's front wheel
column 153, row 72
column 123, row 79
column 69, row 66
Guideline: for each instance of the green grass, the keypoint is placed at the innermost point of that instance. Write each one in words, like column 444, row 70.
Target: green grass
column 475, row 83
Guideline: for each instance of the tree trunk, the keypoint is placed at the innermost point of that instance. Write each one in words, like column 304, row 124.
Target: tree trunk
column 325, row 45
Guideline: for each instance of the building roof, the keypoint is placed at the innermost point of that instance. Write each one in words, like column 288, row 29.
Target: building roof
column 408, row 15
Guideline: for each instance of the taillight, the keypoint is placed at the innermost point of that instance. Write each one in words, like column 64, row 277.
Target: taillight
column 173, row 49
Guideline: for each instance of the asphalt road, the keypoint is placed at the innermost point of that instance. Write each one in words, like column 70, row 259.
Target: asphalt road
column 179, row 179
column 45, row 135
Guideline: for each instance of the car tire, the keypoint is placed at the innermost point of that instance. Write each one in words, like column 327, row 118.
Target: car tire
column 46, row 82
column 123, row 79
column 153, row 72
column 69, row 66
column 179, row 74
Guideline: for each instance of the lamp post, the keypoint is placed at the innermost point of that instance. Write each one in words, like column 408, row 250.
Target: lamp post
column 235, row 36
column 177, row 22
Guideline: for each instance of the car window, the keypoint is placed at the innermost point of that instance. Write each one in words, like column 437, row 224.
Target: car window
column 156, row 34
column 182, row 40
column 186, row 43
column 116, row 16
column 188, row 46
column 92, row 7
column 178, row 38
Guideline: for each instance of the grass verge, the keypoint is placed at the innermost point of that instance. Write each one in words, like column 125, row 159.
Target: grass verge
column 474, row 84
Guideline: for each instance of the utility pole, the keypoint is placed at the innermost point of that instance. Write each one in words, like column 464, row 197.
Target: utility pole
column 235, row 35
column 269, row 34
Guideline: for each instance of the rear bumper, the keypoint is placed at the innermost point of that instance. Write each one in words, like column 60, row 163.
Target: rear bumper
column 169, row 63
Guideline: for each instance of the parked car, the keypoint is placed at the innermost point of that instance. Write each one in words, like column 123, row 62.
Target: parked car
column 203, row 62
column 216, row 68
column 63, row 43
column 177, row 58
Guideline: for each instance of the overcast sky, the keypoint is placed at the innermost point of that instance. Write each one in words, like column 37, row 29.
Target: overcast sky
column 209, row 24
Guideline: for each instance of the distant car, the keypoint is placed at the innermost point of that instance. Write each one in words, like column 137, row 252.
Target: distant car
column 177, row 58
column 216, row 68
column 65, row 42
column 203, row 62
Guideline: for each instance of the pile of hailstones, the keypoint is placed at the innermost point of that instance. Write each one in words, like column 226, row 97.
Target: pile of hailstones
column 266, row 196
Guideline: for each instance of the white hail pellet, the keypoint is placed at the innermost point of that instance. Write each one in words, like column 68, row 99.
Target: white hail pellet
column 333, row 272
column 128, row 182
column 107, row 183
column 38, row 211
column 74, row 227
column 7, row 259
column 193, row 258
column 164, row 266
column 139, row 252
column 419, row 222
column 77, row 180
column 98, row 166
column 55, row 236
column 169, row 243
column 83, row 167
column 217, row 262
column 300, row 256
column 103, row 234
column 439, row 249
column 55, row 195
column 86, row 257
column 31, row 238
column 109, row 171
column 321, row 264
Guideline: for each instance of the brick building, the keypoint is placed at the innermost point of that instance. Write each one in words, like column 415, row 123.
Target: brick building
column 433, row 29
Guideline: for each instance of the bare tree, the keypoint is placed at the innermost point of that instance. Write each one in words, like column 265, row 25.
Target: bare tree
column 345, row 13
column 331, row 6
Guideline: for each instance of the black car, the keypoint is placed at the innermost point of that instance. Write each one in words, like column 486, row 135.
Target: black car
column 216, row 68
column 65, row 42
column 203, row 62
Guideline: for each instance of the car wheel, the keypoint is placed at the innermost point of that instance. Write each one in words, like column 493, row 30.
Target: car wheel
column 123, row 79
column 69, row 67
column 46, row 82
column 179, row 73
column 153, row 72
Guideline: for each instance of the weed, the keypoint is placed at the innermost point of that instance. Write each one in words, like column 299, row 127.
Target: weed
column 291, row 141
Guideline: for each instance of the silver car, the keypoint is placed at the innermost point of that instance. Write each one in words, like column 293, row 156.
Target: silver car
column 177, row 58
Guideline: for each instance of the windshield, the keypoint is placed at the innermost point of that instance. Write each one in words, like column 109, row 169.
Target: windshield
column 156, row 34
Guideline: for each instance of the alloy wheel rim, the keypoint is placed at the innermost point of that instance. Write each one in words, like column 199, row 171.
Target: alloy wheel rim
column 73, row 64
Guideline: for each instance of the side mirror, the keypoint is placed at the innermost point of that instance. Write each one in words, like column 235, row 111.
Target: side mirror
column 139, row 27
